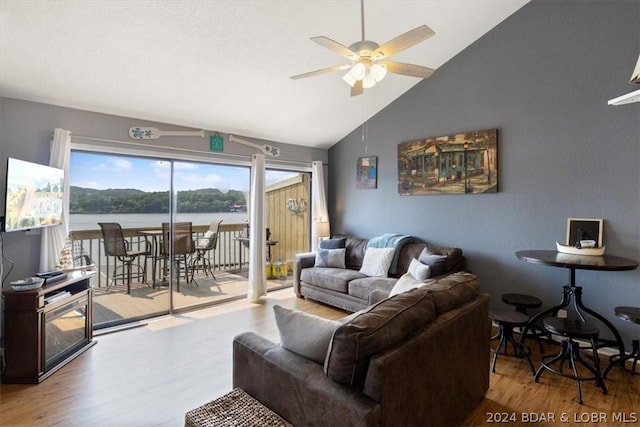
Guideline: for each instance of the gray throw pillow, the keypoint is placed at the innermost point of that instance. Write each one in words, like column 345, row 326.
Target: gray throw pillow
column 330, row 258
column 333, row 243
column 435, row 262
column 303, row 333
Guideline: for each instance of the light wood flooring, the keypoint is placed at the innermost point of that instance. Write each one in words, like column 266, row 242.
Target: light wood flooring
column 152, row 375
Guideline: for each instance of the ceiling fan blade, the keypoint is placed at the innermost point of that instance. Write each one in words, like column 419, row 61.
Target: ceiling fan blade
column 404, row 41
column 357, row 89
column 407, row 69
column 336, row 47
column 322, row 71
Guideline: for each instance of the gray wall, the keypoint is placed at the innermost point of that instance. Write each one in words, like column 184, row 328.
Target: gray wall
column 542, row 78
column 25, row 133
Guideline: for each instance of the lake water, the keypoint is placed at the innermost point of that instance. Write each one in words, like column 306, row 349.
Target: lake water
column 90, row 222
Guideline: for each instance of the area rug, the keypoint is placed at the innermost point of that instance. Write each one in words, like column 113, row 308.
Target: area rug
column 235, row 408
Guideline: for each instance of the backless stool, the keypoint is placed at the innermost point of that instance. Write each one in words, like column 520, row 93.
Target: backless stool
column 506, row 321
column 522, row 303
column 630, row 314
column 572, row 329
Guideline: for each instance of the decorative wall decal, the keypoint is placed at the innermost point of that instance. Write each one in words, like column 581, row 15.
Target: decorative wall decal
column 155, row 133
column 455, row 164
column 367, row 172
column 267, row 149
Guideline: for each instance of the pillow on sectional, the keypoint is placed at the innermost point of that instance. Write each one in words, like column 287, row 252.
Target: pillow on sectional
column 330, row 258
column 376, row 328
column 333, row 243
column 435, row 262
column 405, row 283
column 377, row 261
column 419, row 270
column 303, row 333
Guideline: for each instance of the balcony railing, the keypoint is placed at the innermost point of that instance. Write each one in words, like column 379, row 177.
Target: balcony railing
column 226, row 255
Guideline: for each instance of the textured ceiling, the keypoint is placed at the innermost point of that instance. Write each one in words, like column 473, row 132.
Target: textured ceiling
column 223, row 65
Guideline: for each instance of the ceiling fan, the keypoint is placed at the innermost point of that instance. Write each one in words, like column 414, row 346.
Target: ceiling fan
column 368, row 62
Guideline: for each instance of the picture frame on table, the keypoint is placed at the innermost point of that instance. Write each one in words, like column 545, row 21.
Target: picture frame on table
column 584, row 229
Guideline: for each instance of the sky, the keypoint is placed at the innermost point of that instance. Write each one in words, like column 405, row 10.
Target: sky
column 100, row 171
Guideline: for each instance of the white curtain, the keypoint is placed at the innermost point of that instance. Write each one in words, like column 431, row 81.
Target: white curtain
column 257, row 233
column 318, row 201
column 54, row 238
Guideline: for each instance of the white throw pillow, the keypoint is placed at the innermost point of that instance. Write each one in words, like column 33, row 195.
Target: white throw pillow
column 419, row 270
column 330, row 258
column 405, row 283
column 377, row 261
column 303, row 333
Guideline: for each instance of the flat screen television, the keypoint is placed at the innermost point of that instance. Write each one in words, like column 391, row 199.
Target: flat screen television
column 34, row 195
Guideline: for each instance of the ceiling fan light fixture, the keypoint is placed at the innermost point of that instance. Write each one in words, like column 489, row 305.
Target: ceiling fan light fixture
column 378, row 71
column 349, row 79
column 368, row 81
column 358, row 71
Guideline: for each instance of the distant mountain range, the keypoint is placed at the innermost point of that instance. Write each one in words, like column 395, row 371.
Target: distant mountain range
column 93, row 201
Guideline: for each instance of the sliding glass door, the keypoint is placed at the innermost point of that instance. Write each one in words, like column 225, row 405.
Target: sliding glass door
column 133, row 193
column 185, row 226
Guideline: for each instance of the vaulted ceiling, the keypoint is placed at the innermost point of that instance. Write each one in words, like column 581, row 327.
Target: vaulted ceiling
column 223, row 65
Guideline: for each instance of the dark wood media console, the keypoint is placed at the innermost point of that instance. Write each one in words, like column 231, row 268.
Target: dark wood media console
column 40, row 336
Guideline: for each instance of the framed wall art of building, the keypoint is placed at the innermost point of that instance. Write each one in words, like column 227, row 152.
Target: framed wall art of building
column 462, row 163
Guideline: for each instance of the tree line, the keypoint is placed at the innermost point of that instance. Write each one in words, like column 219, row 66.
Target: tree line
column 115, row 201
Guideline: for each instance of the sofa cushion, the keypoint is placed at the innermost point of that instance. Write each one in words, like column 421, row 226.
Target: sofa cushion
column 334, row 279
column 362, row 288
column 356, row 248
column 330, row 258
column 377, row 261
column 452, row 291
column 406, row 283
column 419, row 270
column 374, row 329
column 303, row 333
column 336, row 243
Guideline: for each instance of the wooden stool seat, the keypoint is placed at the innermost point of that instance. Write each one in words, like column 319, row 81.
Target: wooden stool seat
column 572, row 329
column 506, row 321
column 522, row 302
column 630, row 314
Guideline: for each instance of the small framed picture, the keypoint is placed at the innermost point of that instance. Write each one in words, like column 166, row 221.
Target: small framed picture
column 584, row 232
column 367, row 172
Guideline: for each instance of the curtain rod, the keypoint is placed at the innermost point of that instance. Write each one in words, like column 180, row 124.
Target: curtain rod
column 189, row 150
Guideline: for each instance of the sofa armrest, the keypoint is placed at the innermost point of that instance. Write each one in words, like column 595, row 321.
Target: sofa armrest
column 297, row 388
column 300, row 261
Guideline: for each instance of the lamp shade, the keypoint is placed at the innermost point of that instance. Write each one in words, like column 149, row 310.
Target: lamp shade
column 323, row 228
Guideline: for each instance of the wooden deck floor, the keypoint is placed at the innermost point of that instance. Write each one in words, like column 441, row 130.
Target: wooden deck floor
column 115, row 305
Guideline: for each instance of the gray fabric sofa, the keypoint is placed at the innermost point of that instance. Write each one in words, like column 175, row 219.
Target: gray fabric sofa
column 350, row 290
column 434, row 376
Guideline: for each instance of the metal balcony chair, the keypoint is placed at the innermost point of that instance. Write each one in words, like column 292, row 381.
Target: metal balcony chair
column 207, row 243
column 117, row 246
column 181, row 237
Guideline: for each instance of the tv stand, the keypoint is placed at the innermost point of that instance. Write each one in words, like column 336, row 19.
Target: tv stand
column 42, row 332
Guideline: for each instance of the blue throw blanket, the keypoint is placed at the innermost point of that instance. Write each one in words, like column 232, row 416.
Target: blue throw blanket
column 391, row 240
